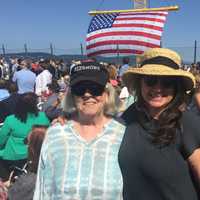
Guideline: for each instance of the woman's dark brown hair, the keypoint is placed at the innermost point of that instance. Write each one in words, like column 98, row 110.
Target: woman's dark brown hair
column 27, row 103
column 169, row 120
column 34, row 141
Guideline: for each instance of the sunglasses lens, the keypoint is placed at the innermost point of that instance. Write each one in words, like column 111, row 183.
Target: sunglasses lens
column 166, row 82
column 97, row 91
column 150, row 81
column 78, row 91
column 93, row 89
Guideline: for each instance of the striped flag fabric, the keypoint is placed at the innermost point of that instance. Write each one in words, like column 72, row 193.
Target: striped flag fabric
column 124, row 34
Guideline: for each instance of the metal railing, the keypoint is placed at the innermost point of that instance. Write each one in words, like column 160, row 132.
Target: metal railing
column 190, row 54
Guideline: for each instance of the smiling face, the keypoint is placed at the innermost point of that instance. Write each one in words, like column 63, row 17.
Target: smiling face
column 89, row 99
column 157, row 93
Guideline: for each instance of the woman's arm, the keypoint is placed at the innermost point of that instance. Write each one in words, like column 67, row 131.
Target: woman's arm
column 4, row 132
column 197, row 99
column 194, row 163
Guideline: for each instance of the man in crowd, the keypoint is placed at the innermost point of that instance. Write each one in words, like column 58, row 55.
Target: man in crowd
column 24, row 78
column 124, row 66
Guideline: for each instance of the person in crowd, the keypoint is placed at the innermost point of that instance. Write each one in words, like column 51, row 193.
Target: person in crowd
column 62, row 66
column 126, row 98
column 4, row 93
column 51, row 67
column 80, row 159
column 3, row 191
column 13, row 151
column 35, row 67
column 8, row 105
column 194, row 97
column 43, row 79
column 53, row 93
column 4, row 68
column 1, row 69
column 23, row 187
column 124, row 66
column 161, row 143
column 24, row 78
column 112, row 70
column 52, row 106
column 15, row 64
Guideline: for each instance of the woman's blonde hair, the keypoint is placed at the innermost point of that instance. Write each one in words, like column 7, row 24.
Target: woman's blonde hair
column 111, row 105
column 112, row 71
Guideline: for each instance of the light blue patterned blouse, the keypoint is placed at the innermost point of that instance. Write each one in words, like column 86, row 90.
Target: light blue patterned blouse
column 73, row 168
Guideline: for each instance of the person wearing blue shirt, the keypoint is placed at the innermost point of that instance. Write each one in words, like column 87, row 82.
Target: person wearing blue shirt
column 80, row 159
column 24, row 78
column 124, row 67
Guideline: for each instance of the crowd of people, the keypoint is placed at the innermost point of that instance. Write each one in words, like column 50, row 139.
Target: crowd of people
column 90, row 130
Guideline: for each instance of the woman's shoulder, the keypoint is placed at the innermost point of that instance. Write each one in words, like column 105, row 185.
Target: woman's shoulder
column 190, row 139
column 130, row 114
column 10, row 118
column 57, row 129
column 42, row 115
column 189, row 117
column 118, row 123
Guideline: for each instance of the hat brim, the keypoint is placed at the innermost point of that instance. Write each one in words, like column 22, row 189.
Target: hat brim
column 158, row 70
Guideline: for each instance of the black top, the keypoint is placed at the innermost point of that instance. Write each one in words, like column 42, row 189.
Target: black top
column 23, row 188
column 157, row 173
column 7, row 106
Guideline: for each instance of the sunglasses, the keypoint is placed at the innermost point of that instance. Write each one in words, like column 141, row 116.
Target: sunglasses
column 166, row 82
column 92, row 88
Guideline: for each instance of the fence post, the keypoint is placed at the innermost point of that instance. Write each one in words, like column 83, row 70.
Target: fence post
column 118, row 58
column 3, row 50
column 51, row 49
column 25, row 50
column 81, row 49
column 195, row 52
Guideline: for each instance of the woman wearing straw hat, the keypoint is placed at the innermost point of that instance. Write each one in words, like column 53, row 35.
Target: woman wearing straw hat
column 161, row 143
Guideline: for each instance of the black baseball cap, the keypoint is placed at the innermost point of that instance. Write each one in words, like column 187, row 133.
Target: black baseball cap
column 89, row 71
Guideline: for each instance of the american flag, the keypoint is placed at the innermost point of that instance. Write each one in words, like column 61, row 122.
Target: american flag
column 124, row 33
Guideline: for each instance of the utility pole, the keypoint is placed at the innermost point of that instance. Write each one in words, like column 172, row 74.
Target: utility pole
column 3, row 50
column 118, row 60
column 81, row 48
column 161, row 44
column 51, row 49
column 195, row 52
column 25, row 50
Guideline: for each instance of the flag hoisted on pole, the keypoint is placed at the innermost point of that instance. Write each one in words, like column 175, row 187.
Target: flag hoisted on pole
column 124, row 34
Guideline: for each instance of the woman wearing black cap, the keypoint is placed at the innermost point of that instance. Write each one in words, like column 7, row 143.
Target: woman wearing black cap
column 161, row 143
column 80, row 159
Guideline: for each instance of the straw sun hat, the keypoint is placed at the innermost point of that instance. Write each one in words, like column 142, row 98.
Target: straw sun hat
column 159, row 62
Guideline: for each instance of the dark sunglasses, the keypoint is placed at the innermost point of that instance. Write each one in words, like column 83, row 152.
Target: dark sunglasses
column 166, row 82
column 92, row 88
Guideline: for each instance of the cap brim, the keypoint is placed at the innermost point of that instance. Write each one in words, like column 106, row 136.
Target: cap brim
column 79, row 79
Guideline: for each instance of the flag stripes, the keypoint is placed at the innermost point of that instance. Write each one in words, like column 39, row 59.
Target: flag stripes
column 124, row 33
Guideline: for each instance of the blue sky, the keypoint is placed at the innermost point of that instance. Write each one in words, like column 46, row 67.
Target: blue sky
column 64, row 23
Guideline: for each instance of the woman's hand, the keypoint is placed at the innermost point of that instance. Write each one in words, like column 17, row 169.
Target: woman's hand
column 61, row 120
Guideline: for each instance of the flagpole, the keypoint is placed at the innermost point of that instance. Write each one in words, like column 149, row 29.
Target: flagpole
column 118, row 54
column 169, row 8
